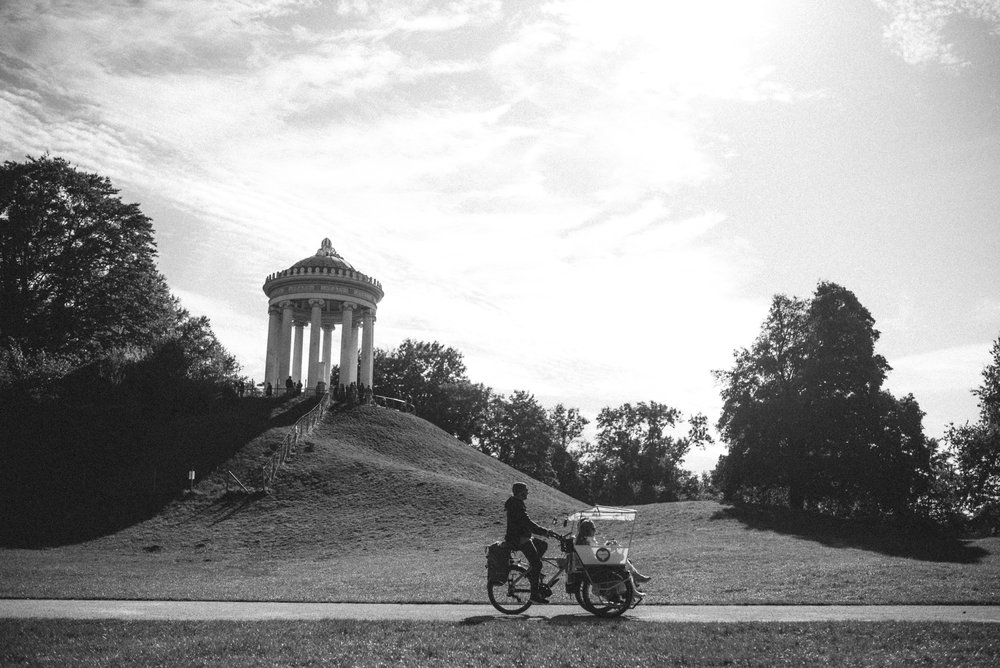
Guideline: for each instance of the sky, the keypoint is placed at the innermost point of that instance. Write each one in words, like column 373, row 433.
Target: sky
column 592, row 201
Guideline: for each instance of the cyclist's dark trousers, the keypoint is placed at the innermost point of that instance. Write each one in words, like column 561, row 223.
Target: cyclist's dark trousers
column 534, row 557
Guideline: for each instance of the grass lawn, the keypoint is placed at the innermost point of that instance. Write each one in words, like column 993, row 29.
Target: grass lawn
column 381, row 506
column 699, row 553
column 568, row 641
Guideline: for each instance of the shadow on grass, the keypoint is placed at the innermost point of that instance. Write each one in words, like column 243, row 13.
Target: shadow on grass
column 562, row 619
column 581, row 617
column 102, row 478
column 232, row 503
column 909, row 543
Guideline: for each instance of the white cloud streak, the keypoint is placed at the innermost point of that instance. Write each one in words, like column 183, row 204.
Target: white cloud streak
column 917, row 28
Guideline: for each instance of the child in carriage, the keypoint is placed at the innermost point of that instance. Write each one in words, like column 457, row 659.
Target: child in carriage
column 586, row 535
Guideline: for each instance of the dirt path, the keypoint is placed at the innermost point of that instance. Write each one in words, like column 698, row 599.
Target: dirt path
column 223, row 610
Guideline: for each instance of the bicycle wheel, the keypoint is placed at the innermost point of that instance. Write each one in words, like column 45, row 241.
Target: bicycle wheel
column 513, row 596
column 608, row 598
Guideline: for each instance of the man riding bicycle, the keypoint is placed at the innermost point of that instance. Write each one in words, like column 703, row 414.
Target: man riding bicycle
column 520, row 527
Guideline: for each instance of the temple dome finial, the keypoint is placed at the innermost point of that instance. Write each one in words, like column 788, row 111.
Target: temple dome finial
column 326, row 256
column 326, row 249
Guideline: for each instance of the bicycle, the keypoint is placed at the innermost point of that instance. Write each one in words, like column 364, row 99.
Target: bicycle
column 596, row 575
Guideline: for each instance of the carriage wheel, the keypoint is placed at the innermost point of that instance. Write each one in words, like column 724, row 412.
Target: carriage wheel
column 513, row 596
column 617, row 599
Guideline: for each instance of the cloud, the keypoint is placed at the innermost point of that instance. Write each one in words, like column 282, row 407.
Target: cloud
column 942, row 382
column 516, row 196
column 953, row 368
column 917, row 28
column 237, row 330
column 987, row 310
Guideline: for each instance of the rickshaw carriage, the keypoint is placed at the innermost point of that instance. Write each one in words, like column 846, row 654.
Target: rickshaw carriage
column 596, row 574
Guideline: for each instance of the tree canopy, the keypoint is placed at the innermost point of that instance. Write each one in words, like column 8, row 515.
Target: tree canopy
column 77, row 270
column 433, row 378
column 517, row 431
column 807, row 421
column 637, row 459
column 89, row 325
column 80, row 292
column 976, row 450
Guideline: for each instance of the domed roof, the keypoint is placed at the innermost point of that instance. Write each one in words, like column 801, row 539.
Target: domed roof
column 326, row 256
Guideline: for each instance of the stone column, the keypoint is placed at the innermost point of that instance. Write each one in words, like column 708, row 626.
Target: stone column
column 327, row 351
column 273, row 334
column 367, row 351
column 354, row 352
column 284, row 344
column 314, row 341
column 346, row 326
column 297, row 351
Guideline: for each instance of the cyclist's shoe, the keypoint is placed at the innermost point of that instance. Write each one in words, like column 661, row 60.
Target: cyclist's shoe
column 639, row 577
column 538, row 598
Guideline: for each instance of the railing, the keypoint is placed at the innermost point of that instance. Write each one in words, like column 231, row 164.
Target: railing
column 302, row 426
column 393, row 402
column 306, row 423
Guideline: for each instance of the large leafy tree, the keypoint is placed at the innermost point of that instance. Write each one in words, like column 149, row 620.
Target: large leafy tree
column 433, row 378
column 517, row 431
column 762, row 403
column 976, row 450
column 88, row 324
column 77, row 271
column 637, row 455
column 568, row 425
column 806, row 418
column 81, row 298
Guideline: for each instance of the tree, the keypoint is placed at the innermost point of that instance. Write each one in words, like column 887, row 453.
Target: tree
column 635, row 459
column 85, row 310
column 976, row 450
column 762, row 404
column 77, row 272
column 517, row 431
column 433, row 378
column 89, row 326
column 567, row 426
column 462, row 409
column 807, row 421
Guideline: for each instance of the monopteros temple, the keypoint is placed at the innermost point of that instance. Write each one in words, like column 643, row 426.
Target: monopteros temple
column 324, row 292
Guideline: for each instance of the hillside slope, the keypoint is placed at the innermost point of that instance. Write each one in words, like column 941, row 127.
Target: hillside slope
column 366, row 475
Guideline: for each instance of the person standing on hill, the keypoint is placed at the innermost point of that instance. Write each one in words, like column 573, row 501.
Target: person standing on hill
column 520, row 527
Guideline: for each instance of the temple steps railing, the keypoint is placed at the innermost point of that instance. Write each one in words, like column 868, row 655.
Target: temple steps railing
column 302, row 426
column 306, row 423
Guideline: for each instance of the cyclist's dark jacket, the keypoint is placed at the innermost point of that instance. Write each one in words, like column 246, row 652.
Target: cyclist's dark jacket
column 519, row 525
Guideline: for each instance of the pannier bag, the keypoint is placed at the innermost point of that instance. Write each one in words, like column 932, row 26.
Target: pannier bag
column 497, row 562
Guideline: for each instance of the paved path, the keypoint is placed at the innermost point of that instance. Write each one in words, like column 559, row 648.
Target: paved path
column 225, row 610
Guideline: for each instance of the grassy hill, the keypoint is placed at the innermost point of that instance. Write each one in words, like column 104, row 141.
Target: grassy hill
column 382, row 506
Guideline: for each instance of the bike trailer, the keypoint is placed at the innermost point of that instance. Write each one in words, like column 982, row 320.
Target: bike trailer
column 602, row 555
column 613, row 552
